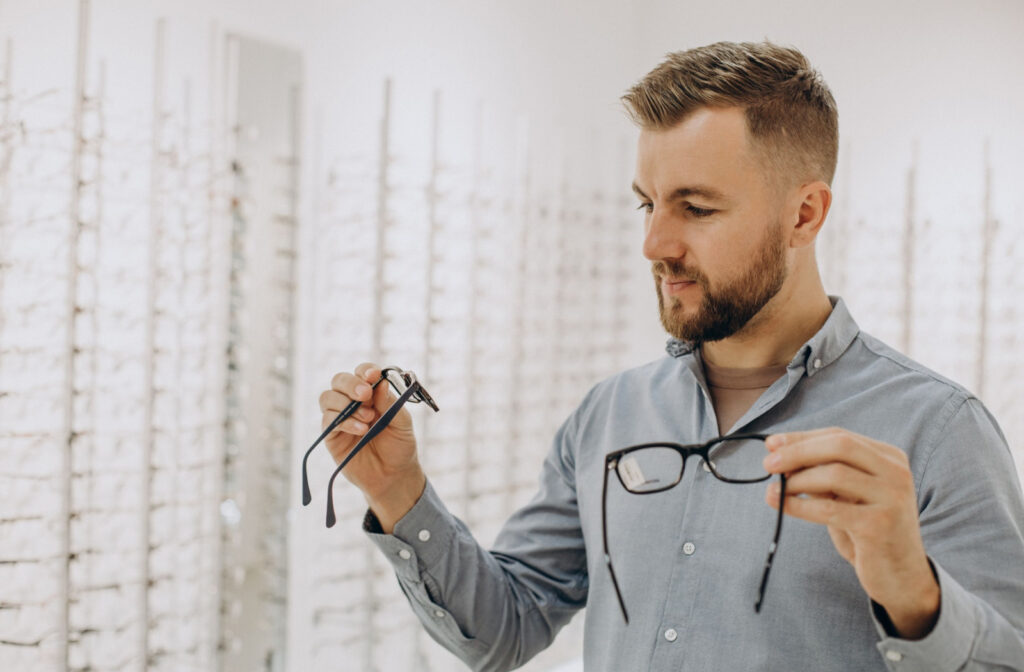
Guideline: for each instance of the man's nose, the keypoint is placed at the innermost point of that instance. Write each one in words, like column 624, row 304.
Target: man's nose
column 662, row 238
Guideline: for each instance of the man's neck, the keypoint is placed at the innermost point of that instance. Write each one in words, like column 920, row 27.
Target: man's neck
column 774, row 335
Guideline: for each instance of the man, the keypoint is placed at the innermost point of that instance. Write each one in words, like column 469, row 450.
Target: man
column 903, row 547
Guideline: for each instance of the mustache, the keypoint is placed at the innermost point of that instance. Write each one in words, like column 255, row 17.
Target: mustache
column 676, row 270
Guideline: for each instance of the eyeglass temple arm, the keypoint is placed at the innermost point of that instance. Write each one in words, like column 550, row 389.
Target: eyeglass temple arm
column 604, row 536
column 773, row 546
column 374, row 430
column 341, row 417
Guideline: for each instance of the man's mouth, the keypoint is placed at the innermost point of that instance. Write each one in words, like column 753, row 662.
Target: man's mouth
column 676, row 284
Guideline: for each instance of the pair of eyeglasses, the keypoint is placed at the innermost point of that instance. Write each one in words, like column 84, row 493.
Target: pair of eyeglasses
column 647, row 468
column 408, row 389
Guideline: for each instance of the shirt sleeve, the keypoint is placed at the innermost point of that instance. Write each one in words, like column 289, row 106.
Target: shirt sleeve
column 495, row 609
column 971, row 523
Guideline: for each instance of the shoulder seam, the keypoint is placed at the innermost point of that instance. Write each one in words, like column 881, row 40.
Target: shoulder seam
column 954, row 407
column 958, row 396
column 920, row 369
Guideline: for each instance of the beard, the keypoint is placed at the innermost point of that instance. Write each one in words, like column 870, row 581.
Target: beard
column 725, row 310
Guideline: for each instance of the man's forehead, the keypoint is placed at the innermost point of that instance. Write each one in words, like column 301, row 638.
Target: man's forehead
column 706, row 154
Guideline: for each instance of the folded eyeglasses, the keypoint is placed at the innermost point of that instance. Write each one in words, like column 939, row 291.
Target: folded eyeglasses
column 409, row 390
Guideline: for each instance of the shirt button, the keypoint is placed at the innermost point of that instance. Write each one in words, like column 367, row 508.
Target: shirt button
column 688, row 548
column 894, row 656
column 404, row 554
column 424, row 535
column 817, row 363
column 671, row 635
column 438, row 613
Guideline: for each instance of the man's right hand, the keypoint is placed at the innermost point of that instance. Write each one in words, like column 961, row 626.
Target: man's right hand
column 386, row 469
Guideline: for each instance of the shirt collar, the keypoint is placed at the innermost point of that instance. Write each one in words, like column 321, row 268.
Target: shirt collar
column 825, row 347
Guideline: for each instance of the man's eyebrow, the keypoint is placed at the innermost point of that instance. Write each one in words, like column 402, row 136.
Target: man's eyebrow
column 685, row 192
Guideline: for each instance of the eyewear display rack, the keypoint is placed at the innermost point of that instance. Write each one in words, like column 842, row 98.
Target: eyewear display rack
column 936, row 284
column 111, row 423
column 262, row 115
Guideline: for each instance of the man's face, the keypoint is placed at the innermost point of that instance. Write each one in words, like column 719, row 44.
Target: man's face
column 713, row 227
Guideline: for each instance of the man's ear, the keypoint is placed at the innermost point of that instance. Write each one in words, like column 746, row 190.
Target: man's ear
column 814, row 200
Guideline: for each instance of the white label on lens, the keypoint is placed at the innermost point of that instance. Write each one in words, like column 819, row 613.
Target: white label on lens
column 631, row 473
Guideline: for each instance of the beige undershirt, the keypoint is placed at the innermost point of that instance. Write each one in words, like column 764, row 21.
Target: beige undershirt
column 734, row 391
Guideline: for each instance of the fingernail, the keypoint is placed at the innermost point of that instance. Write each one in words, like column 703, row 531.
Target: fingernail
column 772, row 461
column 362, row 390
column 358, row 426
column 775, row 440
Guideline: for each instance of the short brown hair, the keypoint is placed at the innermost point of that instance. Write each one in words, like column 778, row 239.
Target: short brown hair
column 791, row 115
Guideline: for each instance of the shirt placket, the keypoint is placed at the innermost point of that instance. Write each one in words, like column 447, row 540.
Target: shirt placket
column 689, row 564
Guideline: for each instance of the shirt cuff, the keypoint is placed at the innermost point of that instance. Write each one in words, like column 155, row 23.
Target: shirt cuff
column 421, row 538
column 947, row 647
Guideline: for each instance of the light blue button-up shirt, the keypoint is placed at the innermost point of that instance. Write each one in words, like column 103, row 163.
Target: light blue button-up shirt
column 689, row 559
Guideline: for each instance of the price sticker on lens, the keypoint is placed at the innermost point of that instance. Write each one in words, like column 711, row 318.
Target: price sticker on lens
column 631, row 473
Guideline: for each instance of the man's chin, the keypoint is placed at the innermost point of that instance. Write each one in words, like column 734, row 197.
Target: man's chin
column 676, row 327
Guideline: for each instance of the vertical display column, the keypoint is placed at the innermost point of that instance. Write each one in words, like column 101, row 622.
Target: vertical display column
column 263, row 115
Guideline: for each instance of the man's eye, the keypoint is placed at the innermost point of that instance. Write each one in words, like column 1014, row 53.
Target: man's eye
column 648, row 207
column 700, row 212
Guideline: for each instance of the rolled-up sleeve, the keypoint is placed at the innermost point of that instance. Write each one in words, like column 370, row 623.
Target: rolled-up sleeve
column 495, row 609
column 971, row 522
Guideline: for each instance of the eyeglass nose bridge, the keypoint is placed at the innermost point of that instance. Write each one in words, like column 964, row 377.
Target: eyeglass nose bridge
column 385, row 374
column 410, row 380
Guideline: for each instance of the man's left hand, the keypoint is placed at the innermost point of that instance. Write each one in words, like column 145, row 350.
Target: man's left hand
column 863, row 490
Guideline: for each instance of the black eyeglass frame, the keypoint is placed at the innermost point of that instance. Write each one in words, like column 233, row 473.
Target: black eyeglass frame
column 611, row 463
column 414, row 393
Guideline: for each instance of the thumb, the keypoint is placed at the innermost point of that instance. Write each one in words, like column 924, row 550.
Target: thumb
column 381, row 399
column 383, row 396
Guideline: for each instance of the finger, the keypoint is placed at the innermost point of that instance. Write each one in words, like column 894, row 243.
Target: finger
column 369, row 372
column 822, row 510
column 351, row 385
column 383, row 397
column 838, row 479
column 842, row 446
column 369, row 375
column 347, row 426
column 843, row 543
column 332, row 401
column 777, row 440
